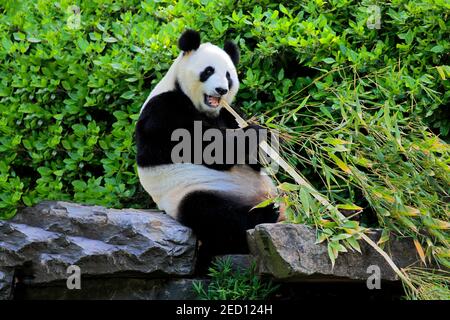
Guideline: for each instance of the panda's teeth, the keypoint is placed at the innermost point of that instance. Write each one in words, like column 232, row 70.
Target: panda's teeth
column 213, row 101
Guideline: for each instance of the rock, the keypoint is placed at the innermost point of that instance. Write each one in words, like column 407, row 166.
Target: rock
column 239, row 262
column 122, row 288
column 52, row 236
column 289, row 252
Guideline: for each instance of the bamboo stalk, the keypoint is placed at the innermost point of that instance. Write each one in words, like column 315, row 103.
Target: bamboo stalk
column 303, row 182
column 286, row 166
column 388, row 259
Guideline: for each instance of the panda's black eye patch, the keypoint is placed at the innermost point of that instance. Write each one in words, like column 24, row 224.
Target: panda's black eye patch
column 205, row 74
column 230, row 82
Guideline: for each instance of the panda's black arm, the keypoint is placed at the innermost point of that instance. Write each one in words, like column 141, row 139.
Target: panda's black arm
column 151, row 141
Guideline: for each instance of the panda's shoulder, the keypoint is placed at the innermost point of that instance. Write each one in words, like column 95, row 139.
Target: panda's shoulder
column 166, row 103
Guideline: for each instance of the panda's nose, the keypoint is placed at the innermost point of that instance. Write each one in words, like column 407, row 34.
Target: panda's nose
column 221, row 91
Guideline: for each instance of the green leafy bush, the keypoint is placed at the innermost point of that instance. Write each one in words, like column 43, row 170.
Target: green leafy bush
column 229, row 284
column 72, row 79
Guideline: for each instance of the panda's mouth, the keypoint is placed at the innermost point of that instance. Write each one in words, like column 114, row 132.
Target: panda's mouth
column 212, row 101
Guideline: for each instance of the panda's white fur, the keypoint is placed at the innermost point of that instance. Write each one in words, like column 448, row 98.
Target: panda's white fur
column 169, row 184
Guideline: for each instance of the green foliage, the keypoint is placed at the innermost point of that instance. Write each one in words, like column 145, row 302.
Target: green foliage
column 370, row 159
column 72, row 81
column 434, row 285
column 229, row 284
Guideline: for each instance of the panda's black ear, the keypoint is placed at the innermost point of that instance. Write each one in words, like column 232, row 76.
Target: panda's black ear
column 189, row 40
column 233, row 51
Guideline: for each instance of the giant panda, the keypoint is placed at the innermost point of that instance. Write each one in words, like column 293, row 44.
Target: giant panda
column 216, row 200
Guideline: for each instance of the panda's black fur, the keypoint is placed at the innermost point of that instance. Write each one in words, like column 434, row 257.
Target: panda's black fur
column 219, row 219
column 189, row 41
column 233, row 51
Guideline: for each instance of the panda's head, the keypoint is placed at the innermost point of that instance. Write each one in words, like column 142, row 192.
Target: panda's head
column 207, row 73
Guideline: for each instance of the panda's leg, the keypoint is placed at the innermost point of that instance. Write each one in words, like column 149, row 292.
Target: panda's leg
column 220, row 221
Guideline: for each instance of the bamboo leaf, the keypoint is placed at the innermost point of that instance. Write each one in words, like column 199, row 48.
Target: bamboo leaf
column 341, row 236
column 411, row 212
column 407, row 222
column 363, row 162
column 354, row 244
column 332, row 253
column 349, row 207
column 322, row 237
column 384, row 237
column 304, row 198
column 335, row 141
column 441, row 72
column 294, row 112
column 263, row 204
column 340, row 163
column 420, row 250
column 350, row 225
column 285, row 186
